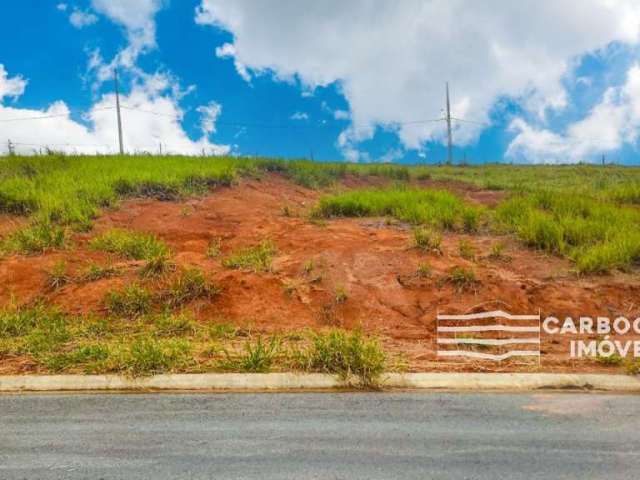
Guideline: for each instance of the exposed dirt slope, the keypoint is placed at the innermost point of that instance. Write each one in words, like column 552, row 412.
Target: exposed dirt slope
column 371, row 260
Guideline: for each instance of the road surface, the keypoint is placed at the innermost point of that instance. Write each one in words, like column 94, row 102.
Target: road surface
column 325, row 436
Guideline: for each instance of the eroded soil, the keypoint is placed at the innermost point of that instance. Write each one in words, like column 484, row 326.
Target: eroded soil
column 371, row 259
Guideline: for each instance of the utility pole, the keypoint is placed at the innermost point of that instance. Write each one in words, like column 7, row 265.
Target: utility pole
column 115, row 77
column 449, row 146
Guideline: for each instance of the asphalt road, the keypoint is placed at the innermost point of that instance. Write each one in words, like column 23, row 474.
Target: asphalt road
column 325, row 436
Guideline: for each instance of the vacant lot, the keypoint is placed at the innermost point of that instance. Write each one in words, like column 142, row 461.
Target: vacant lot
column 151, row 264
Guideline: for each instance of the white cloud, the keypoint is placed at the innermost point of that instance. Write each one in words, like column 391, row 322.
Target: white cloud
column 142, row 130
column 611, row 123
column 210, row 114
column 10, row 87
column 391, row 59
column 341, row 115
column 62, row 7
column 138, row 19
column 228, row 51
column 80, row 19
column 299, row 116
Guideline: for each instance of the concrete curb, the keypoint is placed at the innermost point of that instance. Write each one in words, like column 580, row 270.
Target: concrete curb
column 319, row 381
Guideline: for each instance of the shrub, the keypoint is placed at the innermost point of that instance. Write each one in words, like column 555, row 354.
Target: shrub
column 132, row 245
column 215, row 247
column 58, row 277
column 167, row 325
column 424, row 270
column 96, row 272
column 340, row 295
column 36, row 239
column 497, row 252
column 462, row 278
column 258, row 357
column 467, row 250
column 256, row 258
column 132, row 301
column 156, row 266
column 148, row 357
column 188, row 286
column 345, row 354
column 222, row 330
column 427, row 239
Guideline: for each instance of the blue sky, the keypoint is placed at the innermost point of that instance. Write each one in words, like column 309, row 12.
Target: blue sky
column 357, row 81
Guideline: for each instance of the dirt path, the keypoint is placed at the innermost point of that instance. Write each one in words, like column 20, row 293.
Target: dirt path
column 368, row 259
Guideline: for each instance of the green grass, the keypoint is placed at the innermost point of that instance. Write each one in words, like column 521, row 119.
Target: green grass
column 256, row 258
column 96, row 272
column 35, row 239
column 347, row 354
column 462, row 279
column 258, row 356
column 427, row 239
column 148, row 356
column 436, row 208
column 169, row 325
column 466, row 250
column 58, row 277
column 131, row 245
column 130, row 302
column 598, row 236
column 190, row 285
column 424, row 270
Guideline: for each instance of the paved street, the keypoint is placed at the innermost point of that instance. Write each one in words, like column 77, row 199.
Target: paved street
column 324, row 436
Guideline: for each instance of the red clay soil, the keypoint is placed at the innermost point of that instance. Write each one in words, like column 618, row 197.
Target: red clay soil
column 368, row 258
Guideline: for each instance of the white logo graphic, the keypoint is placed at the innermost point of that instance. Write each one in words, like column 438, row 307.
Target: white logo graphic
column 464, row 335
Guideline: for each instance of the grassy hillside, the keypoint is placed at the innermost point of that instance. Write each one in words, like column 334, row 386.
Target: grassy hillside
column 587, row 213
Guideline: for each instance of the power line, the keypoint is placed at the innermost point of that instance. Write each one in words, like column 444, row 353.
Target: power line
column 57, row 115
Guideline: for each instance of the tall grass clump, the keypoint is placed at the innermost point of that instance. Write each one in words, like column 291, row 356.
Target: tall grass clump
column 131, row 301
column 436, row 208
column 35, row 239
column 256, row 258
column 131, row 245
column 597, row 235
column 346, row 354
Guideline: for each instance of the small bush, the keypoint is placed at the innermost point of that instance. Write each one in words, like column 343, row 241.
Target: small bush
column 88, row 355
column 345, row 354
column 19, row 322
column 497, row 252
column 463, row 279
column 215, row 247
column 467, row 250
column 96, row 272
column 188, row 286
column 132, row 245
column 222, row 330
column 58, row 277
column 156, row 266
column 424, row 270
column 36, row 239
column 427, row 239
column 340, row 295
column 173, row 325
column 258, row 357
column 257, row 258
column 149, row 357
column 132, row 301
